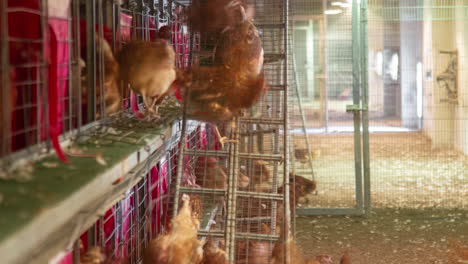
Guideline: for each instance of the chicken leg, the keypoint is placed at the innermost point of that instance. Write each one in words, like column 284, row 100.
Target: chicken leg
column 223, row 140
column 151, row 106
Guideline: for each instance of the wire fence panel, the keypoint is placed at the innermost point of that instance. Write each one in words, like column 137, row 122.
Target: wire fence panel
column 416, row 101
column 321, row 79
column 416, row 65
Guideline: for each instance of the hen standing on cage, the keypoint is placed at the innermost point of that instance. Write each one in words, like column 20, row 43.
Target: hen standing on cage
column 234, row 82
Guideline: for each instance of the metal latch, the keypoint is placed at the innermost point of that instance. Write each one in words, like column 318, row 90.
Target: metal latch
column 355, row 108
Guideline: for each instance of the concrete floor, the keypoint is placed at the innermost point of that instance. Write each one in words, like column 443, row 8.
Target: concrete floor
column 405, row 172
column 419, row 199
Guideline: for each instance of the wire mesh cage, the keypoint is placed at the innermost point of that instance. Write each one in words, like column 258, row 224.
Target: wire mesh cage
column 239, row 174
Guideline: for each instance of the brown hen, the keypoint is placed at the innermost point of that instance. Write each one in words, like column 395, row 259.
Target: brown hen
column 94, row 255
column 212, row 254
column 110, row 78
column 220, row 92
column 302, row 188
column 255, row 251
column 210, row 174
column 214, row 16
column 149, row 69
column 180, row 245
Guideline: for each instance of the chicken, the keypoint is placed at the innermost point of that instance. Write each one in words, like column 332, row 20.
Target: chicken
column 189, row 180
column 220, row 92
column 212, row 254
column 110, row 80
column 240, row 49
column 302, row 188
column 165, row 33
column 345, row 259
column 302, row 154
column 296, row 255
column 112, row 96
column 214, row 16
column 261, row 173
column 93, row 256
column 149, row 69
column 210, row 174
column 180, row 245
column 253, row 251
column 458, row 252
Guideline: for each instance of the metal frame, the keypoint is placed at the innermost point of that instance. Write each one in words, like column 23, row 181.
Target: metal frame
column 359, row 109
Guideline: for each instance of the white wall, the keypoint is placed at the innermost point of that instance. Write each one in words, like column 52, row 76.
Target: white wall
column 445, row 124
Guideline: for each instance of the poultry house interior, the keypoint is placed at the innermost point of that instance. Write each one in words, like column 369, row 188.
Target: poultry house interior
column 233, row 131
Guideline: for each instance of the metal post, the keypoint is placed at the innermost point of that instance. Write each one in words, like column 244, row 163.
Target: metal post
column 323, row 64
column 232, row 192
column 5, row 70
column 76, row 251
column 137, row 223
column 303, row 119
column 71, row 70
column 91, row 58
column 43, row 80
column 356, row 101
column 100, row 22
column 183, row 139
column 76, row 67
column 365, row 113
column 287, row 209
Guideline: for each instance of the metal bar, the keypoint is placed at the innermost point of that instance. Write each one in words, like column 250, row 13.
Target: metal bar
column 329, row 211
column 303, row 120
column 136, row 192
column 44, row 74
column 233, row 170
column 183, row 139
column 365, row 113
column 259, row 195
column 255, row 156
column 270, row 25
column 255, row 219
column 256, row 195
column 265, row 121
column 287, row 210
column 77, row 47
column 202, row 191
column 101, row 236
column 5, row 70
column 356, row 101
column 76, row 251
column 100, row 58
column 258, row 131
column 71, row 74
column 241, row 236
column 91, row 58
column 293, row 171
column 262, row 237
column 323, row 65
column 277, row 88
